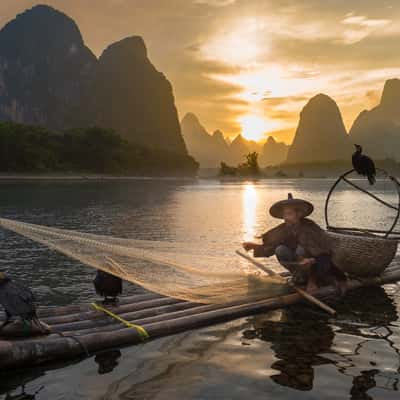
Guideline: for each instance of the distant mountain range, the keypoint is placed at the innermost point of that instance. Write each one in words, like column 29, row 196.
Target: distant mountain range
column 49, row 77
column 210, row 150
column 320, row 135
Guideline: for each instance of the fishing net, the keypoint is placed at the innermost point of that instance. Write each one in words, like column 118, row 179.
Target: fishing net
column 179, row 270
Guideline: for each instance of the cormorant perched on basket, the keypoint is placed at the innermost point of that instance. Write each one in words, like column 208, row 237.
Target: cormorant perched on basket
column 18, row 301
column 107, row 285
column 363, row 164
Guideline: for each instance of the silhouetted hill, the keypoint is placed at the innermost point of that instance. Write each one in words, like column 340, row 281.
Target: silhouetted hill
column 240, row 147
column 49, row 77
column 44, row 68
column 320, row 135
column 273, row 152
column 208, row 150
column 378, row 130
column 218, row 138
column 135, row 99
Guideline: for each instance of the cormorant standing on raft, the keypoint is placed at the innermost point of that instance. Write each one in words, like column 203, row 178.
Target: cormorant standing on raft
column 363, row 165
column 19, row 301
column 108, row 286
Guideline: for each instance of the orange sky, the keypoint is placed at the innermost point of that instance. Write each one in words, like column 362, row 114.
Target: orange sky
column 250, row 65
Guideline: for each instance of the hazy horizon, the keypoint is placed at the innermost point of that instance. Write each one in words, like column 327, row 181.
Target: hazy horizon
column 250, row 66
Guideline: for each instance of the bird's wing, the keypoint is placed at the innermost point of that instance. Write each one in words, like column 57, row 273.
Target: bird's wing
column 370, row 165
column 24, row 292
column 373, row 167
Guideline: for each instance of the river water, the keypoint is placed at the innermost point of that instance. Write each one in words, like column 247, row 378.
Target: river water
column 284, row 354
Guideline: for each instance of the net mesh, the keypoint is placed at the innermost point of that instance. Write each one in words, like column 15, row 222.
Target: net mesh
column 179, row 270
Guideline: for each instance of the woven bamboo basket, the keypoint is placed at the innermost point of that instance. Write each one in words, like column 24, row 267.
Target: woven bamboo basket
column 362, row 255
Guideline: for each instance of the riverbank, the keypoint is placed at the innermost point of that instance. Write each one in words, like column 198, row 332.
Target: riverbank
column 85, row 177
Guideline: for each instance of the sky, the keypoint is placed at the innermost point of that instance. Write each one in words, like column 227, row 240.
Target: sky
column 249, row 66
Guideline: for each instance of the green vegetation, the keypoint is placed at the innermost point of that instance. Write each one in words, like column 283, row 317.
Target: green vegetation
column 25, row 148
column 249, row 168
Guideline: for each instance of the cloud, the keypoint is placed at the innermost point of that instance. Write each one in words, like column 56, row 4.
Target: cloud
column 216, row 3
column 361, row 27
column 363, row 21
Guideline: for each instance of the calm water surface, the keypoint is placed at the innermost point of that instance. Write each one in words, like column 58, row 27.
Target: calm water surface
column 296, row 353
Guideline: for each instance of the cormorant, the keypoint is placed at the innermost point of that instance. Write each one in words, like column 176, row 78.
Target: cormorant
column 18, row 301
column 363, row 165
column 108, row 286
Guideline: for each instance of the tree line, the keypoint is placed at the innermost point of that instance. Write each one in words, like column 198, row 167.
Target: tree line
column 248, row 168
column 26, row 148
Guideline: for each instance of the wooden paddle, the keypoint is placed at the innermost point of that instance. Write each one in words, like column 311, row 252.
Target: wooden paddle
column 301, row 292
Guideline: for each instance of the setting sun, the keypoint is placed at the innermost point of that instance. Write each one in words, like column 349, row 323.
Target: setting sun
column 254, row 127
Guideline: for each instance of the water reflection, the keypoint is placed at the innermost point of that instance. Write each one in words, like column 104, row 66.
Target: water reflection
column 107, row 360
column 362, row 384
column 297, row 342
column 14, row 385
column 249, row 205
column 303, row 341
column 23, row 395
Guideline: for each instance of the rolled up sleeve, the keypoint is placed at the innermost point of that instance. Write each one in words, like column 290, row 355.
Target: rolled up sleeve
column 263, row 251
column 271, row 240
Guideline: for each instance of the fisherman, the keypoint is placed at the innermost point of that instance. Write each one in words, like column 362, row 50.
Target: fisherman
column 300, row 245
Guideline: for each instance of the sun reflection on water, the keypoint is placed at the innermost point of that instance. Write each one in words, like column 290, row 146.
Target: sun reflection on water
column 249, row 204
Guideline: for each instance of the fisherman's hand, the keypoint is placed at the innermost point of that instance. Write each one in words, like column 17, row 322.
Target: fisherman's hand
column 249, row 246
column 307, row 262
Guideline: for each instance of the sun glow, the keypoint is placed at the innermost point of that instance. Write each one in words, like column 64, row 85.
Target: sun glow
column 239, row 45
column 255, row 127
column 249, row 211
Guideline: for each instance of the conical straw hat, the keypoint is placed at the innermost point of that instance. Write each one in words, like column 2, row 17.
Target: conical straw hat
column 304, row 207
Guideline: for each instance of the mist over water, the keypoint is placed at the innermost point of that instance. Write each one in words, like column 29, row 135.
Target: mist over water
column 297, row 352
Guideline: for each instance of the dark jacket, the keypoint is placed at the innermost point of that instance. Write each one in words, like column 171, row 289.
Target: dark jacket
column 312, row 238
column 306, row 233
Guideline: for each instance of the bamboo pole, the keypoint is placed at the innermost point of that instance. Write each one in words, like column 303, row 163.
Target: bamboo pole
column 195, row 308
column 54, row 311
column 92, row 314
column 362, row 230
column 370, row 194
column 49, row 311
column 103, row 319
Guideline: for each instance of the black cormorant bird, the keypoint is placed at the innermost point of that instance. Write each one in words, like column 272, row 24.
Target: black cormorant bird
column 18, row 301
column 108, row 286
column 363, row 165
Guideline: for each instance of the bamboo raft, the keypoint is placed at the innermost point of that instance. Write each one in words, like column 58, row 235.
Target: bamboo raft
column 81, row 330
